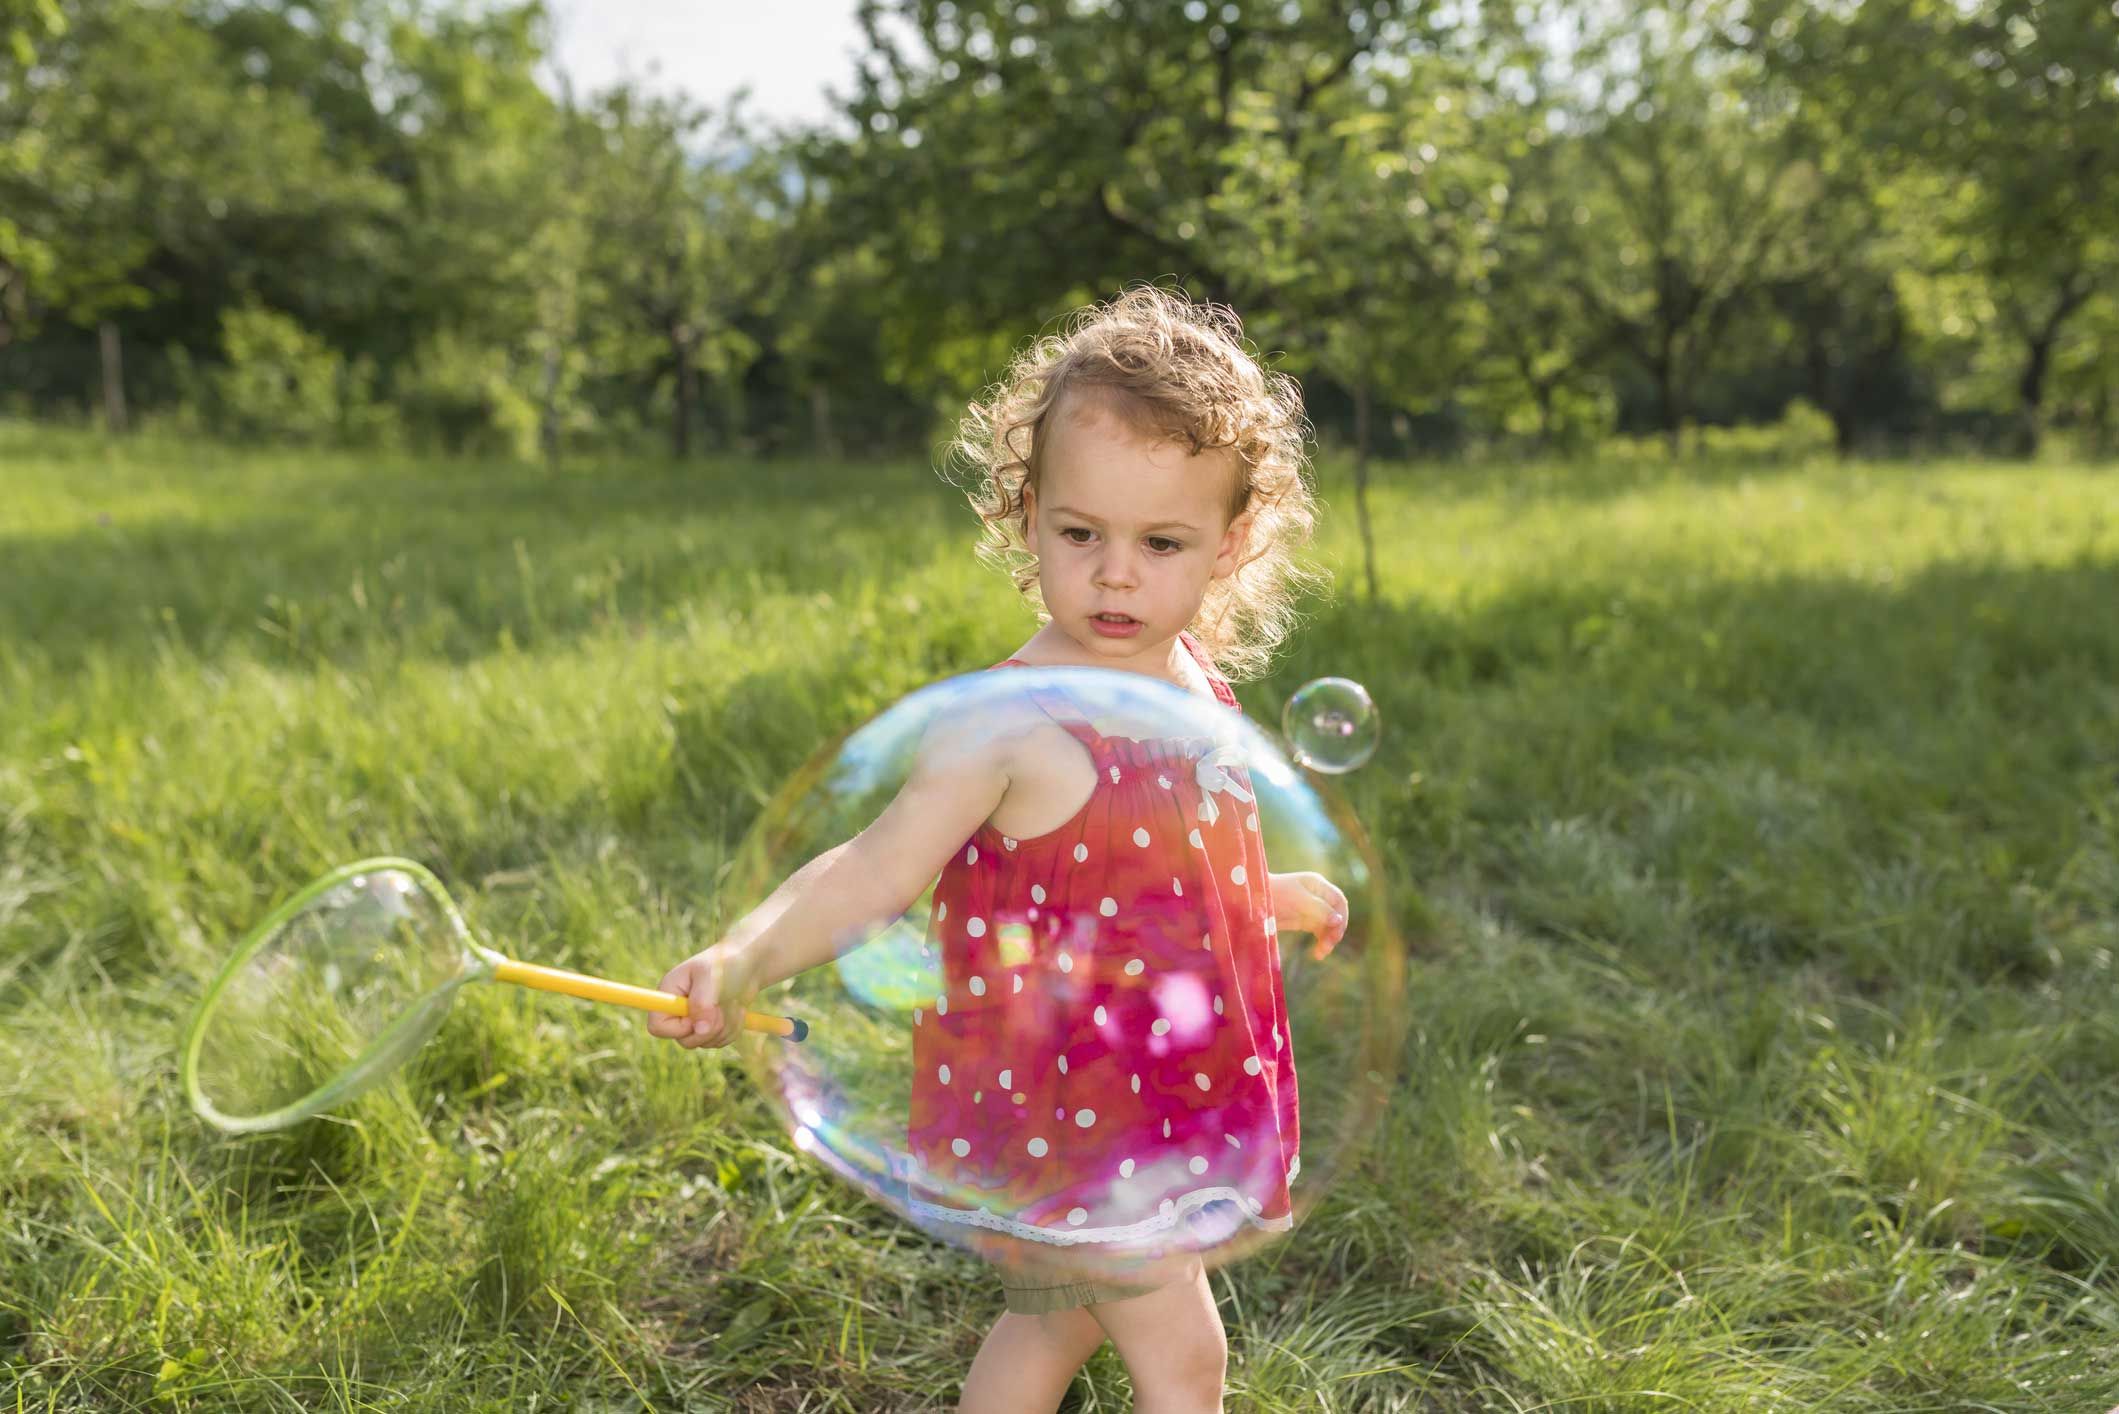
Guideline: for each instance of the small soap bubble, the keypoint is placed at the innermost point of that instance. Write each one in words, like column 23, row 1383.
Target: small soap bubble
column 1331, row 725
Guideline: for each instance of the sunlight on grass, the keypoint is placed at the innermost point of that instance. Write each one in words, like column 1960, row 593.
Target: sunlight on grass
column 1754, row 826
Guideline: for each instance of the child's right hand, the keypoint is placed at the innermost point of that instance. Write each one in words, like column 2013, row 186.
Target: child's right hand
column 719, row 982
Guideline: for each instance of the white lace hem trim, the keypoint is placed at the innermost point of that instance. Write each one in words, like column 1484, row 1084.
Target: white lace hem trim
column 1128, row 1232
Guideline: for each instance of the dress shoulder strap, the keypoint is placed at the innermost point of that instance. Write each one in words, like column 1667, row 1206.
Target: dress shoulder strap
column 1223, row 693
column 1060, row 709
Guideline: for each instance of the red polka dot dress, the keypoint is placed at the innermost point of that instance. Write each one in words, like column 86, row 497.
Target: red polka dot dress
column 1109, row 1059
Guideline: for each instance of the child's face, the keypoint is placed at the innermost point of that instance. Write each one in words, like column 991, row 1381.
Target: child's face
column 1128, row 532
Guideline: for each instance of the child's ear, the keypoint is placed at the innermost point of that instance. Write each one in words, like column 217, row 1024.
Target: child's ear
column 1230, row 556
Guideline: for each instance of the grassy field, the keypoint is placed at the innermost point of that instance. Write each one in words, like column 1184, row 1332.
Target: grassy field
column 1756, row 831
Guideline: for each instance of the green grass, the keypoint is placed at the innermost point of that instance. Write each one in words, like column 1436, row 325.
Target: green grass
column 1756, row 831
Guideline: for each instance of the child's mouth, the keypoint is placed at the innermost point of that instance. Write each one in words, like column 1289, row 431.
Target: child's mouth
column 1115, row 625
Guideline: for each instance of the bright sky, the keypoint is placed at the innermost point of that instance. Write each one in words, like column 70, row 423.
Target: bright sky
column 786, row 51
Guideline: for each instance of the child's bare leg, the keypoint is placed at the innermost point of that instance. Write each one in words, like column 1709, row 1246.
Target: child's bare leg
column 1026, row 1362
column 1173, row 1345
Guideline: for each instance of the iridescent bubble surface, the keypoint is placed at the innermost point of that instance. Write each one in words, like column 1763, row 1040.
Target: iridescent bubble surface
column 1098, row 1041
column 1331, row 725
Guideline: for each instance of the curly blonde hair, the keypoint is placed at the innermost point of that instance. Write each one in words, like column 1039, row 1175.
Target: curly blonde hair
column 1175, row 369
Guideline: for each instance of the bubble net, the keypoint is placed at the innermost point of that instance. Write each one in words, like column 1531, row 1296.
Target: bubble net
column 328, row 995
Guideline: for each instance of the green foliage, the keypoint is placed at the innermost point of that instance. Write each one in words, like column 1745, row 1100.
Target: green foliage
column 278, row 382
column 1484, row 229
column 464, row 396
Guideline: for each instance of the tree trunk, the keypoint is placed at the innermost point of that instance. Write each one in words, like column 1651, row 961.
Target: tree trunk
column 548, row 415
column 113, row 377
column 2030, row 397
column 1361, row 483
column 821, row 435
column 1666, row 376
column 681, row 415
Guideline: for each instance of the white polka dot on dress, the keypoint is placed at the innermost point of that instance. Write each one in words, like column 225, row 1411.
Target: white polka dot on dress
column 1237, row 875
column 971, row 854
column 1011, row 843
column 978, row 987
column 941, row 912
column 1109, row 907
column 1135, row 967
column 1037, row 1148
column 1198, row 1163
column 1136, row 1085
column 1197, row 842
column 1077, row 1216
column 1251, row 822
column 1007, row 1078
column 1066, row 962
column 1217, row 1004
column 1252, row 1065
column 1140, row 837
column 1102, row 1016
column 1233, row 1141
column 941, row 1006
column 1085, row 1118
column 1125, row 1168
column 1163, row 781
column 959, row 1147
column 942, row 1073
column 1081, row 853
column 1166, row 1129
column 1063, row 1065
column 976, row 927
column 1037, row 893
column 1018, row 982
column 1177, row 886
column 1161, row 1026
column 1199, row 1078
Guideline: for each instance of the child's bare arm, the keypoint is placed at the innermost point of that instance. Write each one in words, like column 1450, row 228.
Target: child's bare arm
column 954, row 785
column 1308, row 902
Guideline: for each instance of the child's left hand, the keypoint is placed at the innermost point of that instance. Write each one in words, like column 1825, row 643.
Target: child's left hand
column 1310, row 903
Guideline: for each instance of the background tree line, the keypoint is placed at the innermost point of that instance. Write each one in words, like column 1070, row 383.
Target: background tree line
column 380, row 222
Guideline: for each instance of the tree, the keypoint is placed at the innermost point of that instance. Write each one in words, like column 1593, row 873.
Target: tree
column 1695, row 183
column 1014, row 159
column 160, row 169
column 2018, row 100
column 684, row 243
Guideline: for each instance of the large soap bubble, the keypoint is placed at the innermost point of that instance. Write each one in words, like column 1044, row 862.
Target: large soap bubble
column 1095, row 1047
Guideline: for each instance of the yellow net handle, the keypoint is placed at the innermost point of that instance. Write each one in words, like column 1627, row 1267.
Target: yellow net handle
column 597, row 989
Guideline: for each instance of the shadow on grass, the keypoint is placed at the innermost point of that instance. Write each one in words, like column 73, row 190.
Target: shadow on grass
column 443, row 559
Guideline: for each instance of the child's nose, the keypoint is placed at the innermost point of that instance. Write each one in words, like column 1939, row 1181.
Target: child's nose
column 1116, row 569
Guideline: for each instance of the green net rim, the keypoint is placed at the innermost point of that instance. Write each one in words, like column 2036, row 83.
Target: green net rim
column 379, row 1058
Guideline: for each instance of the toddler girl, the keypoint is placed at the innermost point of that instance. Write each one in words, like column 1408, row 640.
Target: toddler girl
column 1130, row 1072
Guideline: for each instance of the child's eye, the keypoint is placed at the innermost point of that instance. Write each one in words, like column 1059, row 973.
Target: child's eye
column 1072, row 531
column 1164, row 545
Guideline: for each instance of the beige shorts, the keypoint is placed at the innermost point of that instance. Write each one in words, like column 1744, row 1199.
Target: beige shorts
column 1032, row 1294
column 1036, row 1284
